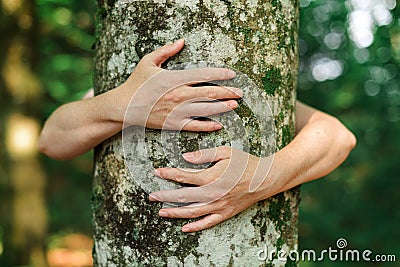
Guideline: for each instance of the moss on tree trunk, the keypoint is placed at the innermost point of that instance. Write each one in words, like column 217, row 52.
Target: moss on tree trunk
column 257, row 38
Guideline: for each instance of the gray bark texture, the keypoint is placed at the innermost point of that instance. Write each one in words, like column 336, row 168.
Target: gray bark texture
column 256, row 37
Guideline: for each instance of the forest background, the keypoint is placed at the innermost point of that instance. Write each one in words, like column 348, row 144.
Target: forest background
column 350, row 55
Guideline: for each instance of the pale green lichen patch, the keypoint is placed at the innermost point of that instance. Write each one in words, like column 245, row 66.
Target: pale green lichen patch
column 192, row 5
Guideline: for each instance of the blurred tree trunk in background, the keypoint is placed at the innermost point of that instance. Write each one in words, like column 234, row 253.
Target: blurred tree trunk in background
column 258, row 38
column 23, row 212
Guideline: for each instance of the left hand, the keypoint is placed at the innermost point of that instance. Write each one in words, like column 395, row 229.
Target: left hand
column 234, row 183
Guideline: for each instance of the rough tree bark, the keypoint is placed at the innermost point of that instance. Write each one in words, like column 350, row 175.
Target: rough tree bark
column 258, row 38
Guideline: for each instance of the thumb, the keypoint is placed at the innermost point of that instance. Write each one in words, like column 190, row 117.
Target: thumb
column 160, row 55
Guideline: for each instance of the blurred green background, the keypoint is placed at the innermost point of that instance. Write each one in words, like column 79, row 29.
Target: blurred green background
column 350, row 55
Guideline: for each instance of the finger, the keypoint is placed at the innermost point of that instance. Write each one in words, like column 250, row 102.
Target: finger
column 182, row 195
column 202, row 126
column 187, row 176
column 208, row 155
column 208, row 92
column 175, row 122
column 206, row 108
column 160, row 55
column 204, row 223
column 201, row 75
column 188, row 212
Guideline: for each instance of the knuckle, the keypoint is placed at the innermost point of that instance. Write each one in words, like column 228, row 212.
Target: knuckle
column 168, row 96
column 197, row 154
column 225, row 206
column 207, row 76
column 210, row 178
column 192, row 213
column 208, row 223
column 229, row 210
column 221, row 204
column 224, row 149
column 211, row 93
column 179, row 179
column 173, row 96
column 181, row 199
column 177, row 97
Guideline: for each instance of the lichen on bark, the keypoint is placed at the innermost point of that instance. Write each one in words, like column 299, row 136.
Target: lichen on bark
column 255, row 37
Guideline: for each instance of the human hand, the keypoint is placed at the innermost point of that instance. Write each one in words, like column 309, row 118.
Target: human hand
column 234, row 183
column 169, row 99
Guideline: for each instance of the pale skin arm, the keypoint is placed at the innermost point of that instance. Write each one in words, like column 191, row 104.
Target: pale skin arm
column 322, row 143
column 322, row 140
column 77, row 127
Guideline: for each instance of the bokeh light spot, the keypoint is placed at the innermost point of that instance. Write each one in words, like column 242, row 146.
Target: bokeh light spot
column 326, row 69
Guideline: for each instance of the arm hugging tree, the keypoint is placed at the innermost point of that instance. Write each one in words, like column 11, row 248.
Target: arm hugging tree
column 258, row 38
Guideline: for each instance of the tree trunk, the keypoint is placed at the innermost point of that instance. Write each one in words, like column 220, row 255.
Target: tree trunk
column 258, row 38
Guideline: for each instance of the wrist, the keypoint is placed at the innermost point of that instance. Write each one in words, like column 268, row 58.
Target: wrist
column 275, row 173
column 111, row 106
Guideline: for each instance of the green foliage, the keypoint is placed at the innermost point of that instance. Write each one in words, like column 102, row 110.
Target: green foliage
column 65, row 53
column 357, row 201
column 65, row 48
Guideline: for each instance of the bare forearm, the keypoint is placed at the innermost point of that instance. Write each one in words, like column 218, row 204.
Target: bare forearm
column 319, row 147
column 321, row 144
column 77, row 127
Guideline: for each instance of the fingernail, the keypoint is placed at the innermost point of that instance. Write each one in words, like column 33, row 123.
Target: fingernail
column 231, row 73
column 163, row 213
column 185, row 229
column 237, row 91
column 233, row 104
column 156, row 172
column 188, row 155
column 217, row 125
column 152, row 198
column 178, row 42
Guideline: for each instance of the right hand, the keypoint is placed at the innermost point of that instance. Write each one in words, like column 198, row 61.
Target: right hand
column 167, row 99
